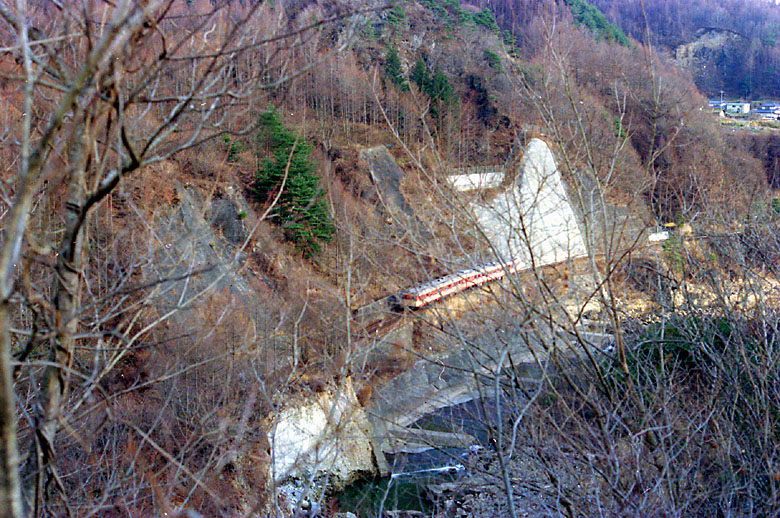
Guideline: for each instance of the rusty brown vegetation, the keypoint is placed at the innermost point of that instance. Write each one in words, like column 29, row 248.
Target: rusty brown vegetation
column 153, row 322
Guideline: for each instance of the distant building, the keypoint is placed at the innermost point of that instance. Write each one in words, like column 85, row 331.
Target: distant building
column 737, row 108
column 767, row 114
column 767, row 111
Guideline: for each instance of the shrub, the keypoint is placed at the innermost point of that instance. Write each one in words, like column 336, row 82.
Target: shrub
column 493, row 60
column 233, row 148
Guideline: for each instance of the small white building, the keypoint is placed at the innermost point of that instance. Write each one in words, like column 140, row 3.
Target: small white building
column 738, row 108
column 766, row 114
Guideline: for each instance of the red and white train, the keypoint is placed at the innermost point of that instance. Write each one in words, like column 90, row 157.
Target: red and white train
column 422, row 294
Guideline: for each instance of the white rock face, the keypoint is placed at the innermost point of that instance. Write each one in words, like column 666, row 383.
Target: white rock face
column 534, row 217
column 330, row 433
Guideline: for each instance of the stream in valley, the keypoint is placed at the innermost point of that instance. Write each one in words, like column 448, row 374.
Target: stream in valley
column 413, row 474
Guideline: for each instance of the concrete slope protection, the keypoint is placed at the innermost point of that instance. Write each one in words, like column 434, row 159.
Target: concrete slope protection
column 533, row 221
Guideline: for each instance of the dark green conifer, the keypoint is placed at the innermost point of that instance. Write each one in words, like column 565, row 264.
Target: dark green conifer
column 300, row 210
column 435, row 85
column 393, row 69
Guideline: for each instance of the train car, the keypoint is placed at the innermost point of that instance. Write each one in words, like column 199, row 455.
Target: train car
column 431, row 291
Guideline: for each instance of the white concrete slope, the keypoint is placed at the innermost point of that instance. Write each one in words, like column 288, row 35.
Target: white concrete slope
column 476, row 181
column 533, row 219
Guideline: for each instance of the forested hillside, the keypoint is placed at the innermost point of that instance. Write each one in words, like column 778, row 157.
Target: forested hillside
column 748, row 68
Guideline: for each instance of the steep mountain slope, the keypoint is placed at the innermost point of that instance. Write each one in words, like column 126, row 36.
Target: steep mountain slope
column 160, row 324
column 746, row 65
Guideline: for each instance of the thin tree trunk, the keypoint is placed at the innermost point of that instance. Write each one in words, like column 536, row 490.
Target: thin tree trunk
column 10, row 491
column 66, row 300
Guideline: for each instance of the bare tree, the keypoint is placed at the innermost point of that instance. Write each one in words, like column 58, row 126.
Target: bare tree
column 97, row 93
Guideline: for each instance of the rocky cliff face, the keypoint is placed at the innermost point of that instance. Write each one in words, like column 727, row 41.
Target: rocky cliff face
column 712, row 55
column 328, row 433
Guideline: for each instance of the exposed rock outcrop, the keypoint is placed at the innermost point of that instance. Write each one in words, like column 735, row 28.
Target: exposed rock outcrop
column 188, row 245
column 386, row 177
column 327, row 434
column 713, row 57
column 709, row 43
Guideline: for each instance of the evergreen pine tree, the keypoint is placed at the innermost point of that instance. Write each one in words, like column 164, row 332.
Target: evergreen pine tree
column 435, row 85
column 393, row 69
column 419, row 75
column 300, row 210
